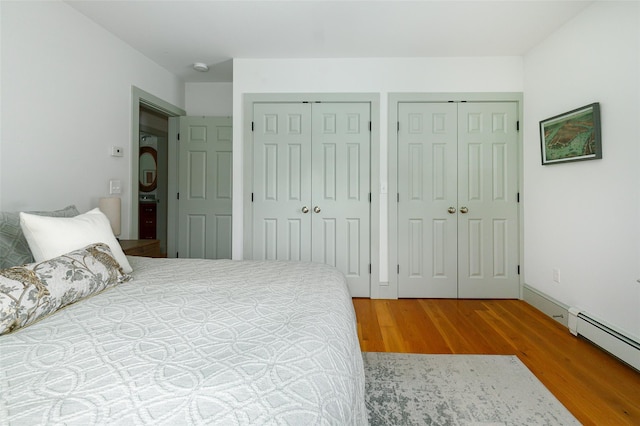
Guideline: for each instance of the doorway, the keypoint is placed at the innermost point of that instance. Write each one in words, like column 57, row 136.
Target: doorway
column 157, row 121
column 311, row 186
column 155, row 193
column 295, row 138
column 455, row 175
column 457, row 202
column 153, row 176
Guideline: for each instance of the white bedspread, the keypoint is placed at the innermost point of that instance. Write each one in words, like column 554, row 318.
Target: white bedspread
column 193, row 342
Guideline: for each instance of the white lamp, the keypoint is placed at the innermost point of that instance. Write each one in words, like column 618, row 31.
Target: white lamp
column 110, row 206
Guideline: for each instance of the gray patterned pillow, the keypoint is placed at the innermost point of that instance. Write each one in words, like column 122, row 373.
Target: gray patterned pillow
column 14, row 249
column 31, row 292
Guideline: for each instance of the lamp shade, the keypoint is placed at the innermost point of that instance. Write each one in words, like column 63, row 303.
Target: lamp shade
column 110, row 206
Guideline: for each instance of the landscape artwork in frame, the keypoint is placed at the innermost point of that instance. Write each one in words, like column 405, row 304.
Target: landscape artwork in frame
column 572, row 136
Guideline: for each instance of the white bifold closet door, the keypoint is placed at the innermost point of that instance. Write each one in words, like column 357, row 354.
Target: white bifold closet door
column 458, row 200
column 311, row 186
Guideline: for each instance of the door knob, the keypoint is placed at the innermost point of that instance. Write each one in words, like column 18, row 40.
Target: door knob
column 316, row 209
column 305, row 209
column 464, row 210
column 451, row 210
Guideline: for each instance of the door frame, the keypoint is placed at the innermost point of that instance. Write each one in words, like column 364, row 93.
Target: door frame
column 249, row 99
column 140, row 97
column 392, row 157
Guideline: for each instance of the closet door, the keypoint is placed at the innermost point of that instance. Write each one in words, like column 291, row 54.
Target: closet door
column 340, row 188
column 487, row 199
column 457, row 209
column 427, row 182
column 282, row 181
column 311, row 186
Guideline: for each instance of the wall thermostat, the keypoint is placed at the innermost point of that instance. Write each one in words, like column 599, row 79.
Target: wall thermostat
column 117, row 151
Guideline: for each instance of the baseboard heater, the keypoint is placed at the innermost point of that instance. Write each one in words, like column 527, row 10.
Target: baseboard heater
column 617, row 344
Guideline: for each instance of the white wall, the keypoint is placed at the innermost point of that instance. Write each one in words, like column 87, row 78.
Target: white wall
column 209, row 99
column 1, row 95
column 66, row 99
column 382, row 76
column 584, row 218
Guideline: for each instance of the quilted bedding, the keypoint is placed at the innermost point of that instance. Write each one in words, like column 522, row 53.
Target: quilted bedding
column 193, row 342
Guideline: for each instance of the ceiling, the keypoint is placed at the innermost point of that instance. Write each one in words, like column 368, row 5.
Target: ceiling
column 175, row 34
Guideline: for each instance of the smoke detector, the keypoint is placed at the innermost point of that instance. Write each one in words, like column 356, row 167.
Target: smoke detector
column 199, row 66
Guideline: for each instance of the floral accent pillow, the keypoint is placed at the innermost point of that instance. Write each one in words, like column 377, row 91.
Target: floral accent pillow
column 31, row 292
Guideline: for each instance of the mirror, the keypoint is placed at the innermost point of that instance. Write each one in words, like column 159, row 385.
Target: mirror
column 148, row 168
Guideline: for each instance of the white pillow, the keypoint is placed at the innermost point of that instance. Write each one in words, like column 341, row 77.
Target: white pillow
column 50, row 237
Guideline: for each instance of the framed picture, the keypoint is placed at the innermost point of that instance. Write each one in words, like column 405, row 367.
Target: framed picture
column 149, row 176
column 572, row 136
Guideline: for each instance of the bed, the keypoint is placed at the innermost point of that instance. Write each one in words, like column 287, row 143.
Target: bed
column 188, row 341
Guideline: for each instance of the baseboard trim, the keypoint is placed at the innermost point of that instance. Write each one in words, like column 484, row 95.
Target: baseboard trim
column 546, row 304
column 384, row 291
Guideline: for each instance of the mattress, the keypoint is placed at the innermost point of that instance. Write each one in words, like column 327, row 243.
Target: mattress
column 193, row 342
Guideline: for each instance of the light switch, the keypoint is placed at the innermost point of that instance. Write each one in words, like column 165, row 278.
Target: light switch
column 115, row 186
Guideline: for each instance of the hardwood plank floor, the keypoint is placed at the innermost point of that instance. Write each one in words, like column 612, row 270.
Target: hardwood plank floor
column 596, row 387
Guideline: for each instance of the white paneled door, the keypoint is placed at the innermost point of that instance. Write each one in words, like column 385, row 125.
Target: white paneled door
column 458, row 200
column 427, row 185
column 282, row 181
column 311, row 186
column 204, row 184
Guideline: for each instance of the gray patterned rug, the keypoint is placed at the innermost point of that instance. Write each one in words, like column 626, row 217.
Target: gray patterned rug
column 411, row 389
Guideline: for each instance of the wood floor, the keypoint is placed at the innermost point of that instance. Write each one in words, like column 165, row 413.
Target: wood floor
column 597, row 388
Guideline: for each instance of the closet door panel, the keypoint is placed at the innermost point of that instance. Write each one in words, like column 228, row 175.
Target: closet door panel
column 282, row 181
column 488, row 188
column 427, row 182
column 341, row 187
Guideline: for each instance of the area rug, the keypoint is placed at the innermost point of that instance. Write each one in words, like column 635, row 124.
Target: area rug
column 412, row 389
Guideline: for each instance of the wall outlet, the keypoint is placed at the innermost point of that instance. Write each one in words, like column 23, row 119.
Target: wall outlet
column 556, row 275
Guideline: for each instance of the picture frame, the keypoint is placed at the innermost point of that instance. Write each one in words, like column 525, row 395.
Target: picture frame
column 572, row 136
column 149, row 176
